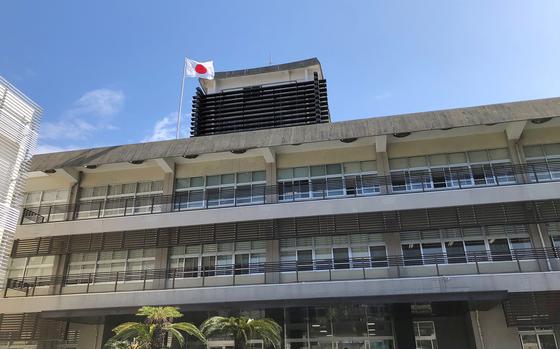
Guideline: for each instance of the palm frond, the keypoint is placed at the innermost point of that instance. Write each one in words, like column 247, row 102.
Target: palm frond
column 189, row 329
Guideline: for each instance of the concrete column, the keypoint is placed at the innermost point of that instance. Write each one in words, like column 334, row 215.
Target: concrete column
column 491, row 331
column 393, row 246
column 540, row 239
column 382, row 160
column 384, row 171
column 162, row 255
column 168, row 168
column 272, row 256
column 402, row 323
column 271, row 183
column 59, row 269
column 517, row 158
column 74, row 198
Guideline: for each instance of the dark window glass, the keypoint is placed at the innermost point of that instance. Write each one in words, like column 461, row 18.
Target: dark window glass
column 341, row 258
column 378, row 256
column 476, row 251
column 499, row 250
column 412, row 254
column 455, row 252
column 305, row 260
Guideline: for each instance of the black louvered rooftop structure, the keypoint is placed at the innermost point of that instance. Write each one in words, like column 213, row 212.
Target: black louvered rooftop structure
column 255, row 107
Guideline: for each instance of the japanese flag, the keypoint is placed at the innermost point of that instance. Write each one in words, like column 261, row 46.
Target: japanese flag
column 203, row 70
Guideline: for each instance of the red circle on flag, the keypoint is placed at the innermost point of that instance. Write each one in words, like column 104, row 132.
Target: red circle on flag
column 200, row 69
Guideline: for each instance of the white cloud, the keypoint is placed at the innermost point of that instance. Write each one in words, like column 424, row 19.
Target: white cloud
column 93, row 111
column 100, row 102
column 165, row 128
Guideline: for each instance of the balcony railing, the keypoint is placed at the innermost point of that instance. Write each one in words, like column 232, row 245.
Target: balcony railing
column 398, row 266
column 296, row 190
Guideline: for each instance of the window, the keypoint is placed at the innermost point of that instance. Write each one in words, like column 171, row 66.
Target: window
column 543, row 161
column 103, row 266
column 498, row 243
column 334, row 252
column 538, row 338
column 554, row 233
column 30, row 267
column 453, row 170
column 425, row 334
column 242, row 188
column 48, row 203
column 243, row 257
column 330, row 180
column 120, row 199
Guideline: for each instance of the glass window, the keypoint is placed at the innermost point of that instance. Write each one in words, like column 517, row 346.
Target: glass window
column 352, row 167
column 301, row 172
column 439, row 159
column 412, row 254
column 478, row 156
column 285, row 173
column 476, row 250
column 417, row 161
column 334, row 169
column 499, row 154
column 318, row 170
column 499, row 249
column 212, row 180
column 259, row 176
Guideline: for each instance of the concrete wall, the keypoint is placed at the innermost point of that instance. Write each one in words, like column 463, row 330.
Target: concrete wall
column 208, row 168
column 330, row 156
column 491, row 331
column 91, row 335
column 139, row 174
column 446, row 145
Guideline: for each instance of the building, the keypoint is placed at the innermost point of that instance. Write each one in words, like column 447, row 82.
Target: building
column 19, row 120
column 429, row 230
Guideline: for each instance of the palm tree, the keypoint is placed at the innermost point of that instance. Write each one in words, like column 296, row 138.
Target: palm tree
column 151, row 333
column 243, row 329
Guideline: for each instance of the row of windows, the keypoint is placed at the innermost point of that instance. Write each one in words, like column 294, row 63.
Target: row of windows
column 503, row 243
column 548, row 159
column 438, row 171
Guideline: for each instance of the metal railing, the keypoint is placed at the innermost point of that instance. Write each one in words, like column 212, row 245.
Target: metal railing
column 298, row 190
column 398, row 266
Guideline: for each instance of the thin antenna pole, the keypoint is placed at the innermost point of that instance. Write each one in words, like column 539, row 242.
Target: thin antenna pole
column 181, row 99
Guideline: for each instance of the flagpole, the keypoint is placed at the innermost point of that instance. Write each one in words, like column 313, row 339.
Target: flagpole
column 181, row 98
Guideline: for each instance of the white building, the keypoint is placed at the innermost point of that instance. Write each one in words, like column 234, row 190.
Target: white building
column 19, row 121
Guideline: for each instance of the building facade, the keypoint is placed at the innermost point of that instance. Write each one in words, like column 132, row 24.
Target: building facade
column 429, row 230
column 19, row 121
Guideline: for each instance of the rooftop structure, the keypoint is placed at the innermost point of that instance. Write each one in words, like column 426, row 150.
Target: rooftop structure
column 275, row 96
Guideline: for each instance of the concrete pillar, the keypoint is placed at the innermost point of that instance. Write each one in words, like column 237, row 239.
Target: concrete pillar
column 402, row 324
column 74, row 198
column 384, row 171
column 272, row 256
column 168, row 184
column 393, row 246
column 59, row 270
column 160, row 264
column 491, row 331
column 271, row 183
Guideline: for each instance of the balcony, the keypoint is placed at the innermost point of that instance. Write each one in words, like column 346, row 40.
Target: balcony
column 397, row 183
column 290, row 272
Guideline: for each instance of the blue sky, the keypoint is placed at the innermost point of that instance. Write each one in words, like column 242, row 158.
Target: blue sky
column 108, row 72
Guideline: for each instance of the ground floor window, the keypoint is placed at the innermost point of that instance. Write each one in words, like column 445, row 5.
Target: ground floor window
column 425, row 335
column 538, row 338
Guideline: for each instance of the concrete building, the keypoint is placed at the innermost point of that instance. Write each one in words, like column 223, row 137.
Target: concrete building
column 428, row 230
column 19, row 120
